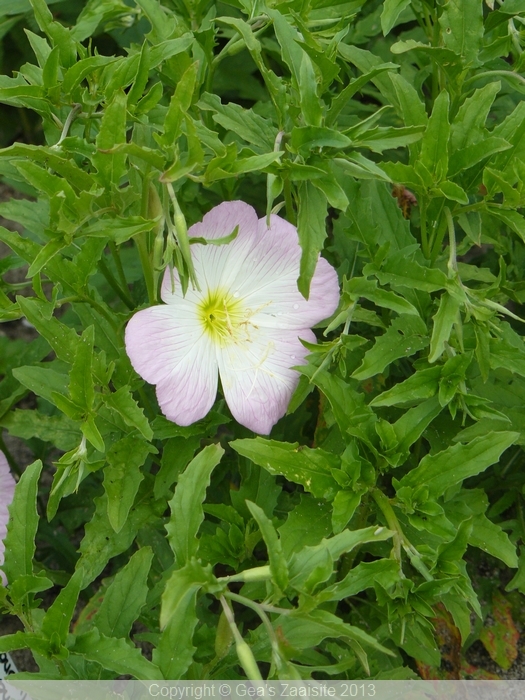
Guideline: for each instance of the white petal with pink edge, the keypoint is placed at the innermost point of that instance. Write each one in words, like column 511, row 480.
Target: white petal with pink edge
column 257, row 378
column 269, row 281
column 7, row 490
column 167, row 347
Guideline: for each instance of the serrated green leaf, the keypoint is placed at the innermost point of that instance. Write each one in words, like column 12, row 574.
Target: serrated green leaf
column 122, row 477
column 278, row 565
column 391, row 11
column 462, row 28
column 23, row 522
column 101, row 542
column 186, row 505
column 123, row 403
column 434, row 146
column 311, row 227
column 445, row 318
column 111, row 167
column 81, row 387
column 307, row 560
column 302, row 465
column 115, row 654
column 361, row 287
column 178, row 619
column 423, row 384
column 404, row 337
column 125, row 596
column 57, row 619
column 451, row 466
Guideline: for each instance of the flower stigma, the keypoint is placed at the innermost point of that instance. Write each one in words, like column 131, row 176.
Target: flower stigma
column 224, row 319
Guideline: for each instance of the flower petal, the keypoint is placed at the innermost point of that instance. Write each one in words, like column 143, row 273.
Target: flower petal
column 7, row 490
column 268, row 281
column 218, row 266
column 167, row 347
column 257, row 378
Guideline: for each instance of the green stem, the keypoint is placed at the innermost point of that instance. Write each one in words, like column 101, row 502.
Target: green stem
column 244, row 653
column 290, row 212
column 120, row 271
column 424, row 234
column 141, row 241
column 115, row 285
column 489, row 73
column 452, row 264
column 276, row 653
column 399, row 536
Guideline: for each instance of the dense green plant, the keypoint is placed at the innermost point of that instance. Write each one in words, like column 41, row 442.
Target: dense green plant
column 393, row 135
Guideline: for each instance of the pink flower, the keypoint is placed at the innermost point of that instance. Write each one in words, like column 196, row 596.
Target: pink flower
column 244, row 324
column 7, row 489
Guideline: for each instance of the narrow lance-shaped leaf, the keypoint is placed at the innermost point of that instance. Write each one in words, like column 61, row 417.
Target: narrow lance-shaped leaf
column 278, row 566
column 125, row 597
column 186, row 505
column 440, row 471
column 57, row 619
column 311, row 228
column 434, row 146
column 302, row 465
column 122, row 477
column 22, row 526
column 445, row 318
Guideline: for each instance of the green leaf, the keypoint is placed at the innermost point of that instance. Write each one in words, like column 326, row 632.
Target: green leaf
column 376, row 218
column 125, row 596
column 243, row 122
column 123, row 403
column 306, row 524
column 501, row 637
column 112, row 166
column 115, row 654
column 471, row 155
column 489, row 537
column 62, row 338
column 23, row 522
column 60, row 36
column 468, row 126
column 81, row 389
column 311, row 227
column 439, row 471
column 305, row 562
column 445, row 318
column 300, row 464
column 404, row 337
column 306, row 631
column 385, row 572
column 178, row 618
column 434, row 146
column 462, row 28
column 42, row 381
column 186, row 505
column 176, row 454
column 344, row 506
column 306, row 138
column 56, row 622
column 423, row 384
column 101, row 542
column 361, row 287
column 278, row 565
column 391, row 11
column 122, row 477
column 399, row 271
column 59, row 430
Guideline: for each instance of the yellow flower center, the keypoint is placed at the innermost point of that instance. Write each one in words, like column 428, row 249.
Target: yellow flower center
column 223, row 317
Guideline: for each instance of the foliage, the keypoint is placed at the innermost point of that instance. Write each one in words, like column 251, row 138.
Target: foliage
column 334, row 548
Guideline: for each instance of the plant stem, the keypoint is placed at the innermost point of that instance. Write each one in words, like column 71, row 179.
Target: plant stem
column 115, row 285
